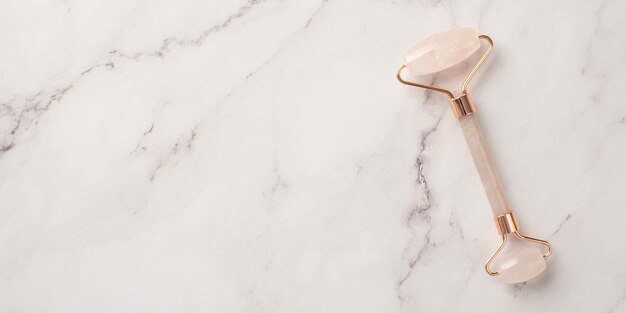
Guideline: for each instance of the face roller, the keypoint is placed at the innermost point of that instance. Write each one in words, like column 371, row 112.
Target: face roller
column 439, row 53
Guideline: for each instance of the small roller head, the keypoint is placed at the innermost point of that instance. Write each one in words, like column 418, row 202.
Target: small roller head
column 522, row 264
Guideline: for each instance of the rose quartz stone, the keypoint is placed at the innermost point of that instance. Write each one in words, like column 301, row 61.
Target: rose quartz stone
column 484, row 164
column 521, row 265
column 441, row 51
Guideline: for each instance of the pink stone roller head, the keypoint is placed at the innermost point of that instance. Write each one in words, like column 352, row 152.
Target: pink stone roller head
column 442, row 51
column 438, row 53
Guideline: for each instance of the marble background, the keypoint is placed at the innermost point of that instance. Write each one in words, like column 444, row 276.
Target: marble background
column 259, row 156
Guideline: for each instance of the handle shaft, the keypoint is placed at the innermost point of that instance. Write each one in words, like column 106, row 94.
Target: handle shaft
column 484, row 164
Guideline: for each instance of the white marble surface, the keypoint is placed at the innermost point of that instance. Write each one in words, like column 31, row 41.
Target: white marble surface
column 232, row 156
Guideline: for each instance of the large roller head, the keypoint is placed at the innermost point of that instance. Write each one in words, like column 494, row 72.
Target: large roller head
column 441, row 51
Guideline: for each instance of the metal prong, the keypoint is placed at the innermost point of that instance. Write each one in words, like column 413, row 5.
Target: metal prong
column 493, row 256
column 537, row 241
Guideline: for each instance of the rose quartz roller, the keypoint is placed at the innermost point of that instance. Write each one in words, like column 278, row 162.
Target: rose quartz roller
column 441, row 52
